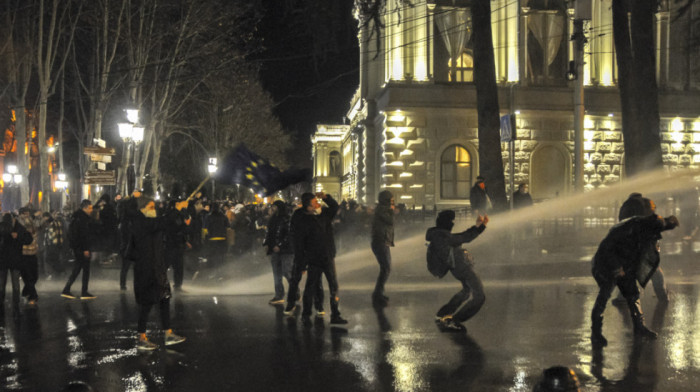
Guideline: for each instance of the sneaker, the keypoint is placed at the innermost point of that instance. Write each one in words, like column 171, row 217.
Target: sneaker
column 338, row 320
column 289, row 311
column 87, row 295
column 276, row 301
column 145, row 344
column 67, row 294
column 320, row 313
column 450, row 325
column 171, row 339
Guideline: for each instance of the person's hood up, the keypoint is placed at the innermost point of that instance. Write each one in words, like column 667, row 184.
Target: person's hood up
column 281, row 207
column 435, row 232
column 385, row 197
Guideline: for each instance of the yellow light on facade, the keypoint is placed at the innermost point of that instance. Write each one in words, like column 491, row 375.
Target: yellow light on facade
column 417, row 163
column 406, row 174
column 396, row 164
column 589, row 146
column 406, row 197
column 414, row 186
column 397, row 131
column 398, row 118
column 396, row 140
column 588, row 135
column 406, row 152
column 677, row 125
column 696, row 137
column 588, row 123
column 696, row 158
column 696, row 125
column 677, row 137
column 395, row 186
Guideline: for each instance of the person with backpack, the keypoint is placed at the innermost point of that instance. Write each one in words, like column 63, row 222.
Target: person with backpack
column 445, row 254
column 81, row 241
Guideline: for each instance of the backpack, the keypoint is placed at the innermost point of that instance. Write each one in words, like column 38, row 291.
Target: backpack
column 440, row 259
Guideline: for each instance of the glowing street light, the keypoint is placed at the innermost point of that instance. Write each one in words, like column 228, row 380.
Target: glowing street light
column 212, row 168
column 132, row 115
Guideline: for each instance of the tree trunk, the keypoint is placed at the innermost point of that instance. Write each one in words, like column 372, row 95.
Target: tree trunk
column 490, row 157
column 647, row 97
column 625, row 60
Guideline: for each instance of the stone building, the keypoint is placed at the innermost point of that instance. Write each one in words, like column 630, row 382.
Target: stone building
column 413, row 121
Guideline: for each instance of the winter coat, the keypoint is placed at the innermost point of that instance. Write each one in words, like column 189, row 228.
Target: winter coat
column 521, row 199
column 84, row 234
column 127, row 210
column 53, row 234
column 176, row 229
column 32, row 248
column 383, row 221
column 108, row 227
column 148, row 253
column 478, row 198
column 443, row 239
column 11, row 248
column 632, row 246
column 278, row 232
column 313, row 236
column 216, row 225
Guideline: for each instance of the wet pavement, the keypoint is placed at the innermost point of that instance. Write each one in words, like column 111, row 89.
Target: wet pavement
column 536, row 316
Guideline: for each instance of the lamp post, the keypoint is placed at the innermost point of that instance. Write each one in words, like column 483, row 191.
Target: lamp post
column 11, row 179
column 212, row 168
column 132, row 134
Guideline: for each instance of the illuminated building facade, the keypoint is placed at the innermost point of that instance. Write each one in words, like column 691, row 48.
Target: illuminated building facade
column 413, row 120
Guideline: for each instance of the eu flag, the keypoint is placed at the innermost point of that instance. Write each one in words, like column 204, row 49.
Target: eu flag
column 244, row 167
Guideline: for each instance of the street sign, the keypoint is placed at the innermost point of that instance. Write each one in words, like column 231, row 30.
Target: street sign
column 100, row 177
column 99, row 151
column 508, row 128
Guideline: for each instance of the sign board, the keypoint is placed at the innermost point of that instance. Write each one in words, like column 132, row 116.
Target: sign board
column 99, row 151
column 100, row 158
column 100, row 177
column 508, row 128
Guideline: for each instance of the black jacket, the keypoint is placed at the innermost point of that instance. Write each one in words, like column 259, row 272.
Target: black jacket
column 521, row 199
column 148, row 252
column 383, row 221
column 176, row 229
column 631, row 245
column 313, row 235
column 216, row 225
column 443, row 239
column 478, row 198
column 278, row 233
column 84, row 228
column 11, row 248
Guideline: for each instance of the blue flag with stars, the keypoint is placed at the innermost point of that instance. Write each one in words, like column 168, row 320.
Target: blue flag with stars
column 244, row 167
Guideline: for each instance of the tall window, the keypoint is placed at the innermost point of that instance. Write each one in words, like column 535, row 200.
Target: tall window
column 455, row 173
column 463, row 70
column 334, row 168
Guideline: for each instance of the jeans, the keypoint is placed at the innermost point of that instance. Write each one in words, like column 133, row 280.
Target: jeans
column 144, row 310
column 627, row 285
column 293, row 294
column 14, row 277
column 383, row 254
column 313, row 281
column 81, row 263
column 467, row 302
column 281, row 268
column 174, row 258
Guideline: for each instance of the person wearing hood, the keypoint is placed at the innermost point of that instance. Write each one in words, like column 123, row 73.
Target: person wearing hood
column 479, row 197
column 627, row 255
column 468, row 301
column 279, row 249
column 151, row 285
column 382, row 240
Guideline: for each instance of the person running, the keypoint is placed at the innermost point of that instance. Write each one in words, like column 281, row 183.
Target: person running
column 81, row 240
column 382, row 240
column 151, row 286
column 468, row 301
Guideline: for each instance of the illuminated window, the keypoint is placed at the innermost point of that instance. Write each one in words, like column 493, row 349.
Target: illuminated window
column 463, row 70
column 455, row 173
column 334, row 164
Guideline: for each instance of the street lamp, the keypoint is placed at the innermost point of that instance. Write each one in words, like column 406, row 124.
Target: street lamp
column 212, row 168
column 11, row 179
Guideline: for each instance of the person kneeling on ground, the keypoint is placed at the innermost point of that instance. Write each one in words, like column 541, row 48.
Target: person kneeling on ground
column 457, row 260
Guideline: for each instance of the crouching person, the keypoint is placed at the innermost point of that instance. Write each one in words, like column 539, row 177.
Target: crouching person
column 151, row 286
column 627, row 255
column 445, row 253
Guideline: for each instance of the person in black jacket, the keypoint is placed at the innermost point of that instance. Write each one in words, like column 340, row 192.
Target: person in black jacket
column 314, row 247
column 81, row 241
column 13, row 236
column 382, row 239
column 176, row 221
column 627, row 255
column 479, row 197
column 216, row 238
column 521, row 197
column 279, row 249
column 151, row 286
column 127, row 209
column 468, row 301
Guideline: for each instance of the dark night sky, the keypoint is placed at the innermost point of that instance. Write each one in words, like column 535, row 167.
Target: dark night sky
column 309, row 65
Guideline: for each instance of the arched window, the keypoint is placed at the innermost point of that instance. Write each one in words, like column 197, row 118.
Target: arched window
column 455, row 173
column 463, row 70
column 334, row 168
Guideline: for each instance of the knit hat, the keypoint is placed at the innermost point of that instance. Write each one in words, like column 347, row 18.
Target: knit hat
column 445, row 219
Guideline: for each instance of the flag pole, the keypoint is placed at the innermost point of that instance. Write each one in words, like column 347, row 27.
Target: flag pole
column 199, row 187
